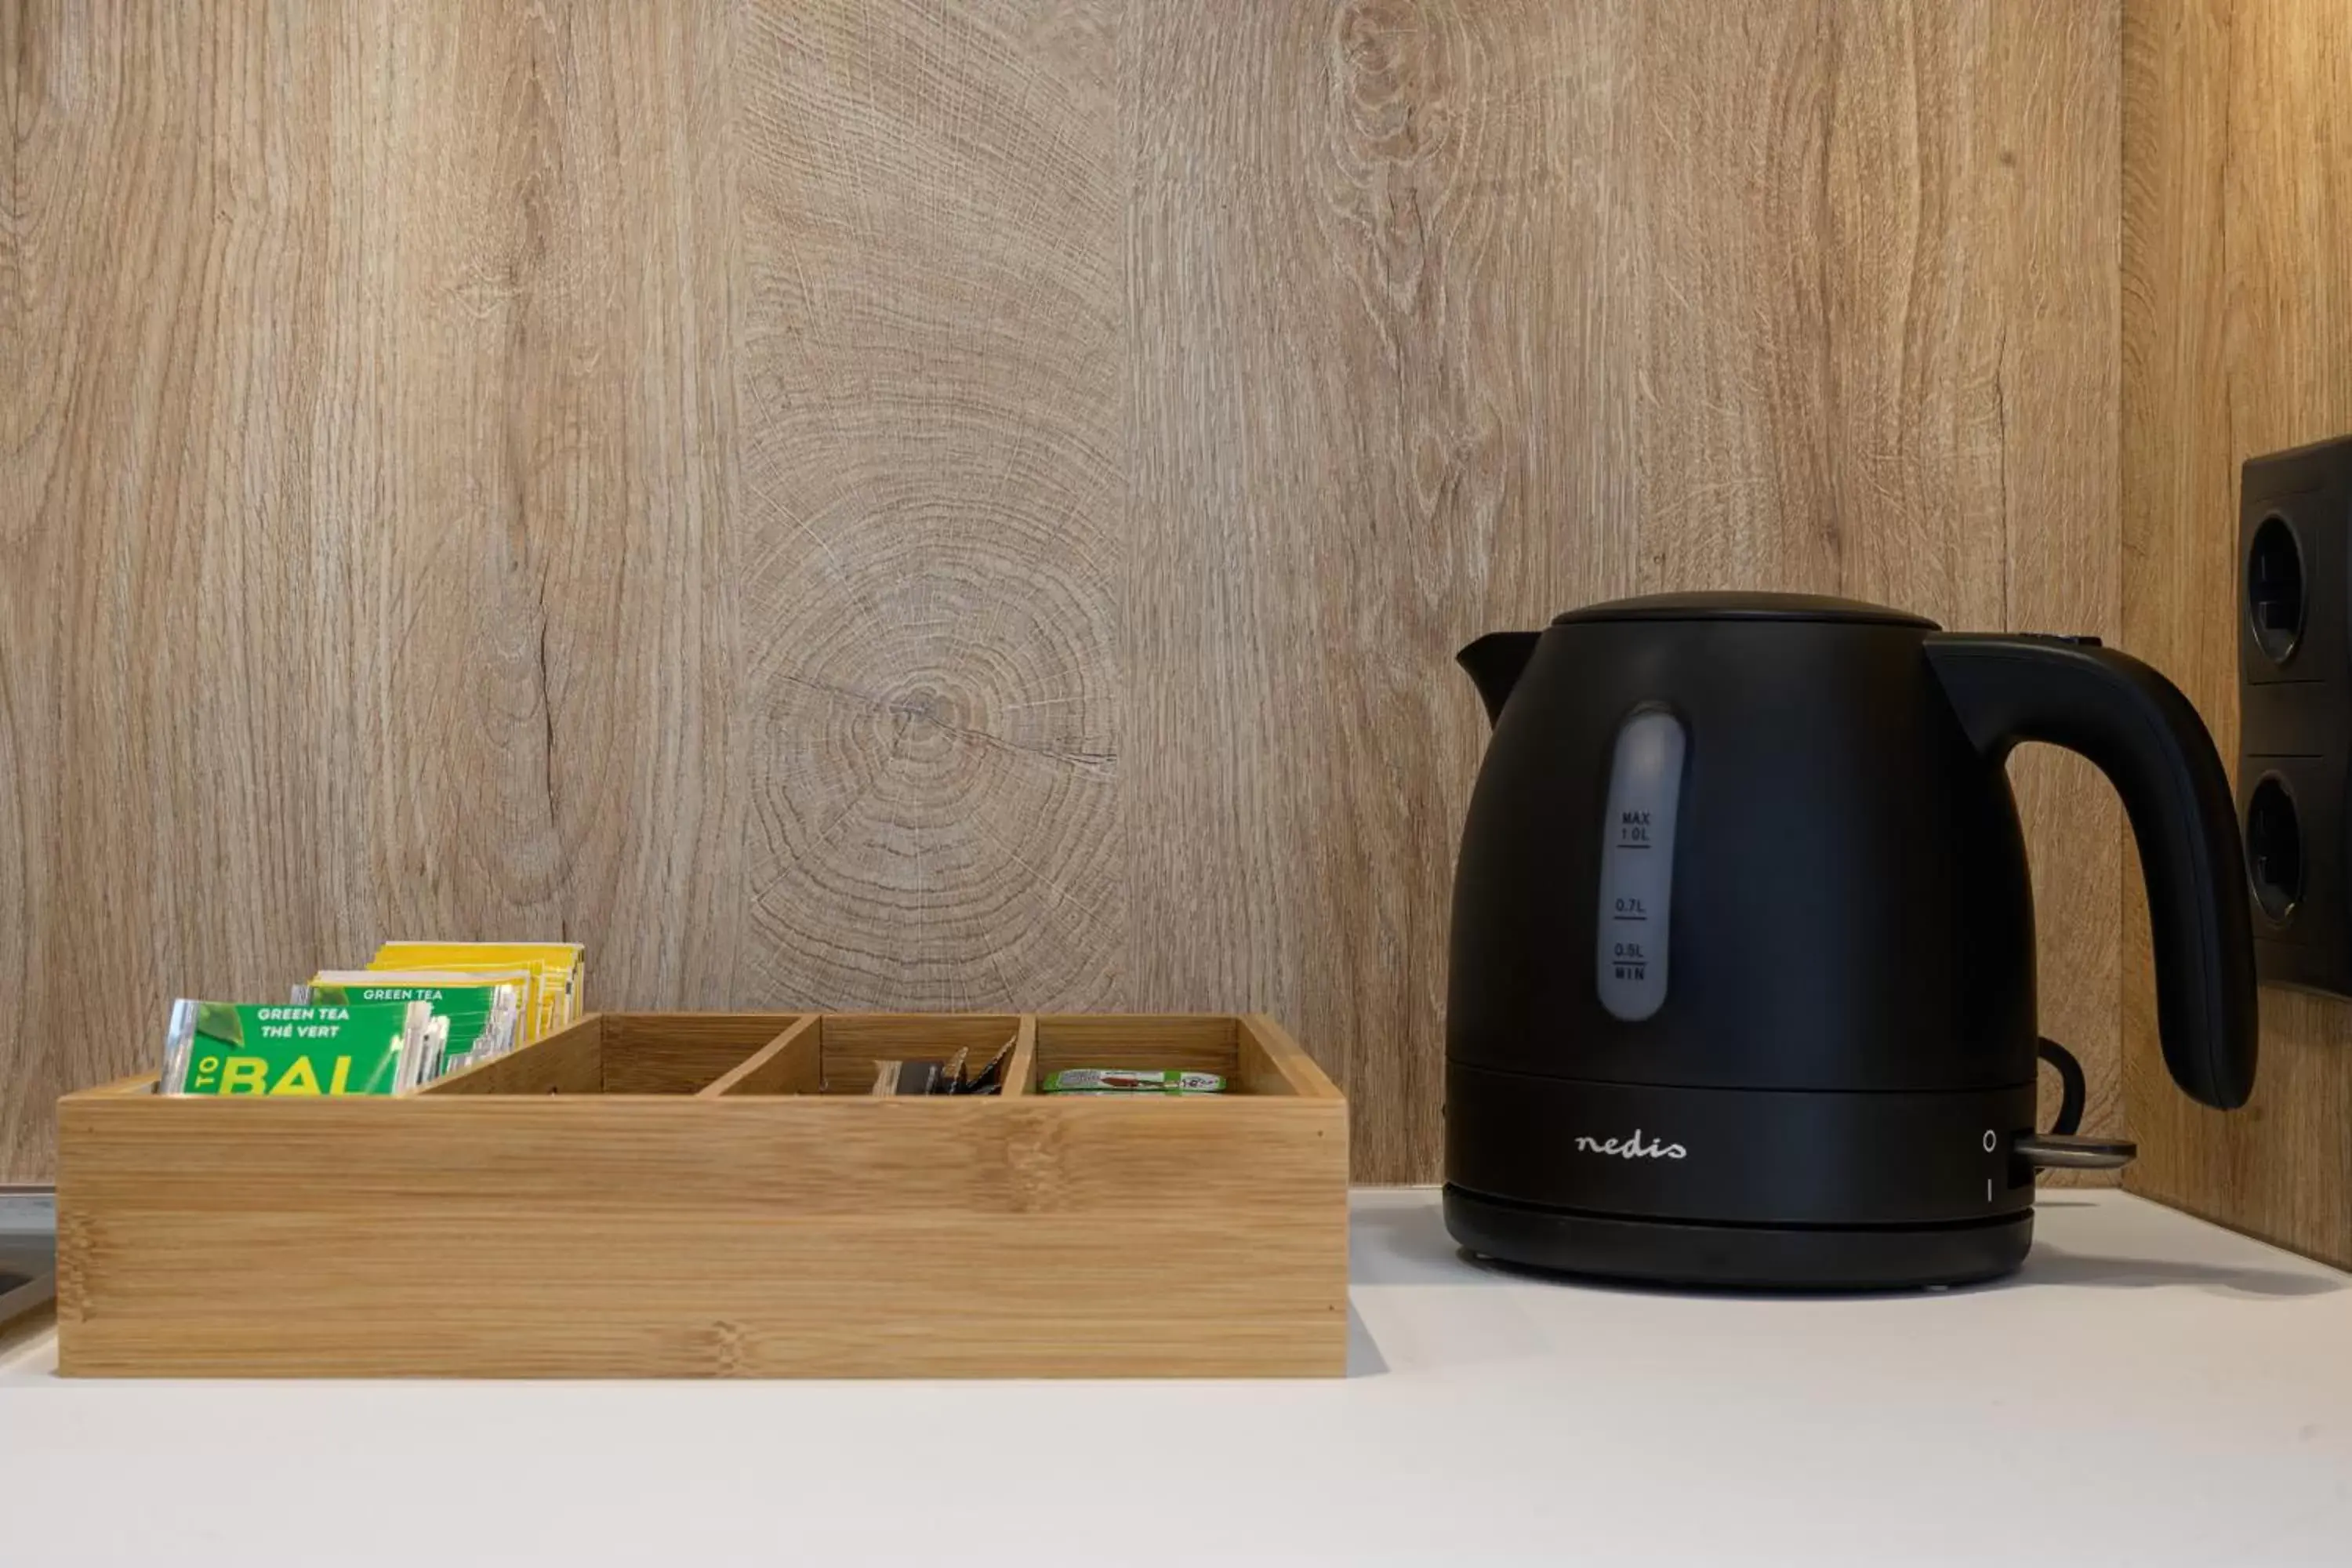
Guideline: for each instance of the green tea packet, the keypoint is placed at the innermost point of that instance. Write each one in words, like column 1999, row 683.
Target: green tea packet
column 236, row 1047
column 471, row 1023
column 1130, row 1080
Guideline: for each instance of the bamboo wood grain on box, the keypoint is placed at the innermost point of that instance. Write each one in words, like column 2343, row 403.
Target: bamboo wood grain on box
column 520, row 1224
column 678, row 1053
column 1021, row 1069
column 569, row 1061
column 789, row 1064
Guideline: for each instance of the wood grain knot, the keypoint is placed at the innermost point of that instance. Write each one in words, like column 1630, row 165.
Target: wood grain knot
column 1033, row 1163
column 727, row 1357
column 938, row 780
column 1390, row 131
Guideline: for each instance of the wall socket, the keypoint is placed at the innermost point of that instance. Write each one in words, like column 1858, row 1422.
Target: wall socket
column 2295, row 692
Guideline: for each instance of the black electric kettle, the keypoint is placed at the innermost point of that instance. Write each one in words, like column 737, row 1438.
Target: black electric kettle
column 1742, row 982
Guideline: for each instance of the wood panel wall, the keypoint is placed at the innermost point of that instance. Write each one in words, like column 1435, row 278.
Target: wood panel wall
column 2238, row 341
column 906, row 504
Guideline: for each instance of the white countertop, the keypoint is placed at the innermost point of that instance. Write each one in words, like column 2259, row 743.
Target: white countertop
column 2149, row 1390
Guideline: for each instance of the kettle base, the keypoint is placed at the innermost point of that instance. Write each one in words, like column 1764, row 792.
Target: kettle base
column 1741, row 1256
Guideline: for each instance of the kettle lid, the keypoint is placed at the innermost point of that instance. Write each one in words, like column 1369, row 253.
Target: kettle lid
column 1742, row 607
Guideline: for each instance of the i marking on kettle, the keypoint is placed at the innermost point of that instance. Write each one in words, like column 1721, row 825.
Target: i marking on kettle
column 1631, row 1147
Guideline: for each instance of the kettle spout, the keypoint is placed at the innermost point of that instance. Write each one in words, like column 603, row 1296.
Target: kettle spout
column 1496, row 662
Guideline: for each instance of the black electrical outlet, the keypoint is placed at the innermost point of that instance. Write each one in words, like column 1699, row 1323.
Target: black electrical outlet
column 2295, row 692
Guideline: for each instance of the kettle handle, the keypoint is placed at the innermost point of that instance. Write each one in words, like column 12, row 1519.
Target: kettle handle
column 2138, row 728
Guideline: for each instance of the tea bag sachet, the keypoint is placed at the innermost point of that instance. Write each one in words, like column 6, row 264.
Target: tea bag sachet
column 235, row 1048
column 471, row 1022
column 555, row 969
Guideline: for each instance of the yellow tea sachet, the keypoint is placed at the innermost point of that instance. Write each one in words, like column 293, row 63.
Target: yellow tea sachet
column 556, row 967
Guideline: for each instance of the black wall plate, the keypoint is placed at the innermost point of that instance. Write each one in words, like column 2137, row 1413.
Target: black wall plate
column 2295, row 705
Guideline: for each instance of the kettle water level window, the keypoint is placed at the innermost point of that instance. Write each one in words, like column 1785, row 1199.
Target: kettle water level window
column 1637, row 864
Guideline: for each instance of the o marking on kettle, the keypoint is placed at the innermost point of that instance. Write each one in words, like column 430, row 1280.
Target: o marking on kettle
column 1989, row 1141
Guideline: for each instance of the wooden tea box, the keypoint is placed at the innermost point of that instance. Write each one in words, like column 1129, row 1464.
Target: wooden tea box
column 684, row 1194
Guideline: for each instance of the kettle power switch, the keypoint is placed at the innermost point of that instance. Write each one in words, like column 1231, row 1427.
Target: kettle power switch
column 1637, row 864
